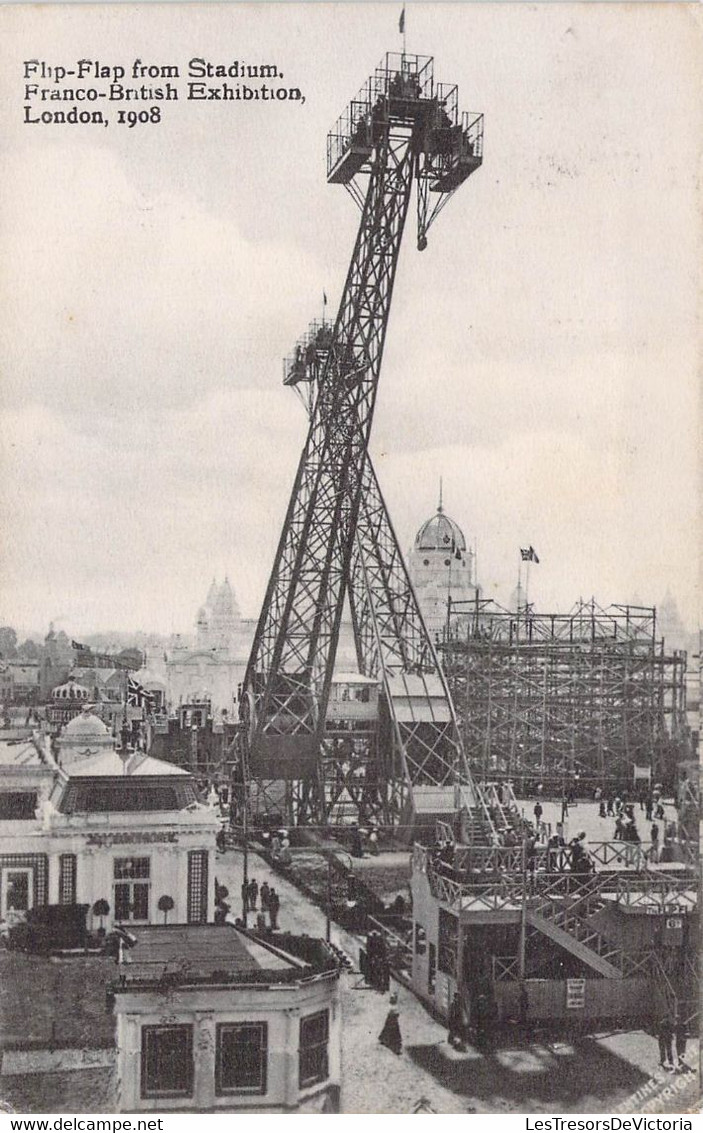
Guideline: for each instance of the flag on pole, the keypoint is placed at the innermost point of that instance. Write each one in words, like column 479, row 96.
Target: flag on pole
column 324, row 298
column 529, row 554
column 401, row 21
column 137, row 696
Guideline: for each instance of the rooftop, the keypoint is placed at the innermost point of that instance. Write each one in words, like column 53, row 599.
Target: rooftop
column 166, row 955
column 110, row 764
column 20, row 754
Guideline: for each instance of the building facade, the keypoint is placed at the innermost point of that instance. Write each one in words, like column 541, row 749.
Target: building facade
column 100, row 827
column 211, row 666
column 214, row 1018
column 442, row 569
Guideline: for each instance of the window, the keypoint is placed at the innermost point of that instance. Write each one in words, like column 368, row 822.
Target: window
column 197, row 887
column 314, row 1037
column 242, row 1054
column 16, row 891
column 67, row 879
column 132, row 889
column 167, row 1062
column 18, row 805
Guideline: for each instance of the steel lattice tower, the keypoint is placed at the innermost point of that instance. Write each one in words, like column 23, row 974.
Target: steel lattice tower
column 337, row 540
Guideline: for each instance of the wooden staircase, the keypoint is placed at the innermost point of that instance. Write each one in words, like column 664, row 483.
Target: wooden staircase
column 563, row 913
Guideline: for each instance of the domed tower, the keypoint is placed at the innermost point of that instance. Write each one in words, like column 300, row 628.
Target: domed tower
column 202, row 628
column 224, row 617
column 441, row 567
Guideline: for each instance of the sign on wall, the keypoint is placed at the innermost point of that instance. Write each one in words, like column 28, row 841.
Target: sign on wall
column 575, row 994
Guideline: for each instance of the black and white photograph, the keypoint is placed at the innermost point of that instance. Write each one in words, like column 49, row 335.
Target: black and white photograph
column 350, row 578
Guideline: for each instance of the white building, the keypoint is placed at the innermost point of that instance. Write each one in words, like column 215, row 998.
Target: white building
column 99, row 827
column 442, row 570
column 213, row 1018
column 211, row 667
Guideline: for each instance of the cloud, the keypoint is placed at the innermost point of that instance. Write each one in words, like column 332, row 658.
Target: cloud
column 118, row 302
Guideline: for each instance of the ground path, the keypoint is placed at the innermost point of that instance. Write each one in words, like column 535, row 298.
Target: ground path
column 591, row 1075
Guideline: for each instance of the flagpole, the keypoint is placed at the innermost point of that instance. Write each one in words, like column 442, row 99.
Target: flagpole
column 401, row 29
column 527, row 586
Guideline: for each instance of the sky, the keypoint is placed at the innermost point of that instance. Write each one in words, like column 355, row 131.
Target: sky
column 542, row 354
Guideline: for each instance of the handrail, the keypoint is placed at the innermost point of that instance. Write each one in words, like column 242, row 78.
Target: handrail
column 501, row 886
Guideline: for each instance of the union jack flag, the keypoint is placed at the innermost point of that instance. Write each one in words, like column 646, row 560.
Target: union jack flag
column 529, row 555
column 137, row 695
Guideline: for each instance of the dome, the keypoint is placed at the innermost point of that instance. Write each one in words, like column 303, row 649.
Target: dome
column 85, row 725
column 71, row 690
column 440, row 533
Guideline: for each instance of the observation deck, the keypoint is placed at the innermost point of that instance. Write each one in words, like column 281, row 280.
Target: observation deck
column 400, row 94
column 309, row 354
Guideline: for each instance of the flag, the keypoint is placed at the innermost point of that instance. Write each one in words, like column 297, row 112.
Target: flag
column 401, row 21
column 137, row 696
column 324, row 298
column 529, row 554
column 457, row 554
column 77, row 645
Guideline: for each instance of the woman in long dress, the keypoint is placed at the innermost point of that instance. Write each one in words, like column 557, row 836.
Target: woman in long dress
column 390, row 1035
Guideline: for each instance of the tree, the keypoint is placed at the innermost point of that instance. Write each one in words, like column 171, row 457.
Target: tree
column 165, row 904
column 8, row 642
column 29, row 649
column 101, row 909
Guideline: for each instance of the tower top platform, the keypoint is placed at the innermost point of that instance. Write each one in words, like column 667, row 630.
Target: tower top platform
column 401, row 93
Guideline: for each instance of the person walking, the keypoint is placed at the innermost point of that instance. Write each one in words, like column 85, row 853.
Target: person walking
column 264, row 895
column 274, row 905
column 665, row 1034
column 648, row 808
column 390, row 1035
column 681, row 1038
column 654, row 836
column 538, row 816
column 253, row 893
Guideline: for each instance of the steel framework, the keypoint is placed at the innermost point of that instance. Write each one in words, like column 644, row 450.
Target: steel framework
column 337, row 542
column 592, row 692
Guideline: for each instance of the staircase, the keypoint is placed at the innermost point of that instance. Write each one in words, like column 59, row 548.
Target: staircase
column 501, row 804
column 562, row 912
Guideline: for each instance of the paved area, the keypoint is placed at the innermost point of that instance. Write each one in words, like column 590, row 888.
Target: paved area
column 525, row 1075
column 584, row 816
